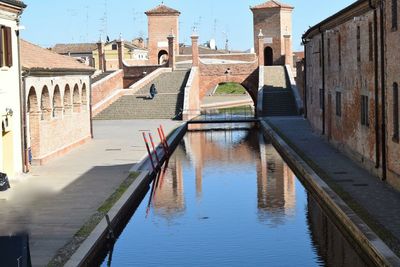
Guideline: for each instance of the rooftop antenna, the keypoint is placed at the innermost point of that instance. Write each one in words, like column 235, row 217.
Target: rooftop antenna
column 104, row 20
column 87, row 23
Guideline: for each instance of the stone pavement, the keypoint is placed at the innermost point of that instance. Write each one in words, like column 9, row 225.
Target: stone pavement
column 52, row 202
column 378, row 199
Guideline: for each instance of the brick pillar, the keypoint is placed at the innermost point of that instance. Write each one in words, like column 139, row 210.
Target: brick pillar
column 34, row 132
column 120, row 54
column 171, row 51
column 195, row 50
column 100, row 49
column 261, row 49
column 288, row 51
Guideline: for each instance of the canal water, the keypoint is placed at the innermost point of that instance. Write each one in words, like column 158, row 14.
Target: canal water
column 228, row 199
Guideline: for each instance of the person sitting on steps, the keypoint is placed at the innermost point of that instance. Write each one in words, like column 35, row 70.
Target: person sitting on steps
column 153, row 91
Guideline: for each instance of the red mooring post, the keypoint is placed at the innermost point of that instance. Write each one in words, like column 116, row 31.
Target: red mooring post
column 163, row 135
column 148, row 151
column 154, row 148
column 162, row 141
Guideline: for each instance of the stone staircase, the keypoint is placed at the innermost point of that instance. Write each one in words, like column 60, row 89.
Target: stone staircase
column 278, row 98
column 101, row 76
column 167, row 104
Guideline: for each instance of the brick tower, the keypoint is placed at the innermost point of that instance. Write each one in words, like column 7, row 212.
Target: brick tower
column 274, row 19
column 162, row 22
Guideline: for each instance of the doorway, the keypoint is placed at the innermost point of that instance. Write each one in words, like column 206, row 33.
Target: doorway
column 268, row 56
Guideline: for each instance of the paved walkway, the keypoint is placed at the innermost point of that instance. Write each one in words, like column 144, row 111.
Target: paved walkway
column 54, row 201
column 377, row 198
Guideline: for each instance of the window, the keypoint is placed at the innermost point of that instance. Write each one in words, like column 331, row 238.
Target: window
column 394, row 15
column 339, row 104
column 320, row 54
column 114, row 47
column 5, row 47
column 370, row 42
column 321, row 98
column 364, row 111
column 340, row 50
column 396, row 112
column 358, row 44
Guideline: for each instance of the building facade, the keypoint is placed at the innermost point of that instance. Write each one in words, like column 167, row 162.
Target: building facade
column 163, row 21
column 274, row 20
column 57, row 94
column 11, row 154
column 83, row 52
column 350, row 84
column 132, row 55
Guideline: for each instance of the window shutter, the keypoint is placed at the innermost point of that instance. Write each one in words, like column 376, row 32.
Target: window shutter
column 9, row 58
column 1, row 46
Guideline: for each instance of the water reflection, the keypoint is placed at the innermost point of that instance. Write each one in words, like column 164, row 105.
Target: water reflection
column 276, row 192
column 228, row 199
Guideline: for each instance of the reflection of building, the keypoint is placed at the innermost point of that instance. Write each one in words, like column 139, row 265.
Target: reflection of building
column 169, row 198
column 276, row 190
column 11, row 158
column 332, row 247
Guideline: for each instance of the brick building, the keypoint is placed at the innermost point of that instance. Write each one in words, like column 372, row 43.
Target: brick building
column 163, row 21
column 351, row 76
column 274, row 20
column 11, row 154
column 57, row 90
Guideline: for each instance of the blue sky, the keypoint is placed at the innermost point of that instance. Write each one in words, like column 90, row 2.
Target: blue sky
column 63, row 21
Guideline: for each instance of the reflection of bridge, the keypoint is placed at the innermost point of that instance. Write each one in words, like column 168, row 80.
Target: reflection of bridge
column 276, row 195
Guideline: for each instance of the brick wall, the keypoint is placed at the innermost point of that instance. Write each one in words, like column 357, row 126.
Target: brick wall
column 392, row 70
column 244, row 73
column 248, row 57
column 159, row 28
column 107, row 86
column 352, row 74
column 133, row 74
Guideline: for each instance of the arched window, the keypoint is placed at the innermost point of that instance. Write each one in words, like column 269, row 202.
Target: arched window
column 76, row 99
column 84, row 97
column 45, row 106
column 32, row 104
column 57, row 106
column 67, row 99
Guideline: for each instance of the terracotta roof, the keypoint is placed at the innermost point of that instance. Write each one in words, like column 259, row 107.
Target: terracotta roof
column 162, row 10
column 272, row 4
column 80, row 48
column 36, row 57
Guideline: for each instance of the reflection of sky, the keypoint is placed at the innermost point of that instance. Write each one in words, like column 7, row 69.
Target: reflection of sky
column 223, row 227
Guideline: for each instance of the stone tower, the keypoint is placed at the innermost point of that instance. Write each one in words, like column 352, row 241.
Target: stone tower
column 274, row 19
column 162, row 22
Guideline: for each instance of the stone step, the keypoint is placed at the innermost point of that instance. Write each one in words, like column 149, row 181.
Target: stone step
column 167, row 104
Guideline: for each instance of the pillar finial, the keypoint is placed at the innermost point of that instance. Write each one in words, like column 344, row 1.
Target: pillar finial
column 261, row 34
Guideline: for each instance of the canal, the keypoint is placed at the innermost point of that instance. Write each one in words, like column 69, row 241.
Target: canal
column 228, row 199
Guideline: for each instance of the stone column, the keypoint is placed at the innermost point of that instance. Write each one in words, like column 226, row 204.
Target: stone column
column 261, row 49
column 58, row 112
column 100, row 49
column 120, row 53
column 171, row 51
column 195, row 50
column 288, row 51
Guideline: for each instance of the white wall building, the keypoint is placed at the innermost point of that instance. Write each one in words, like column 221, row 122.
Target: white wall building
column 11, row 152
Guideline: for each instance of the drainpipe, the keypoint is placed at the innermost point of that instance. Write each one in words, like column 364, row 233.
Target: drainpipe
column 305, row 78
column 323, row 78
column 376, row 63
column 22, row 97
column 382, row 29
column 90, row 107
